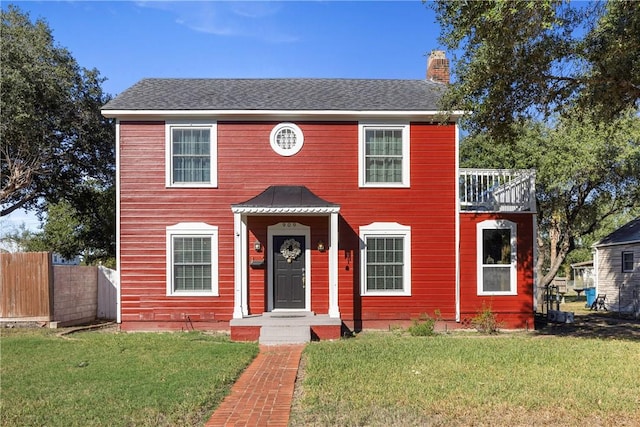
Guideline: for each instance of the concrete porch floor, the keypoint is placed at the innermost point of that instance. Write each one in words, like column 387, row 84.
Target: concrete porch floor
column 289, row 326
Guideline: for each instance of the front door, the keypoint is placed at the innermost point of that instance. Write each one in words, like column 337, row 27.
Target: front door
column 288, row 272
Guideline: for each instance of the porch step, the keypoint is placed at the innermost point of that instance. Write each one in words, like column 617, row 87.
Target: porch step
column 284, row 334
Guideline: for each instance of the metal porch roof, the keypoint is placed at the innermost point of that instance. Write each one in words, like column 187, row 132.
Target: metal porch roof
column 285, row 199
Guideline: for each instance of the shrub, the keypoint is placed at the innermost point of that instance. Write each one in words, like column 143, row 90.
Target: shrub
column 423, row 326
column 486, row 322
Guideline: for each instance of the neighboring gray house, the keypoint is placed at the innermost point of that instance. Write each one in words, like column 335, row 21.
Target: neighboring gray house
column 617, row 267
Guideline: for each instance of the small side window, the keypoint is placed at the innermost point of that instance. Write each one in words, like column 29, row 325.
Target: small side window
column 496, row 252
column 627, row 262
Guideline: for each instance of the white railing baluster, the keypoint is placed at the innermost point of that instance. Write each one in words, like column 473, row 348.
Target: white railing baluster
column 497, row 190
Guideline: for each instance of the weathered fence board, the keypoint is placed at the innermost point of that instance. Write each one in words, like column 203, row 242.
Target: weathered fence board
column 26, row 286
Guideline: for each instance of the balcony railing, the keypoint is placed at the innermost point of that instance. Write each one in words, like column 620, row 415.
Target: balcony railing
column 497, row 190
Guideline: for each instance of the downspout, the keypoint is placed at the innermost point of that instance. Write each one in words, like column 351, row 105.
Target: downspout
column 534, row 218
column 457, row 220
column 596, row 265
column 118, row 265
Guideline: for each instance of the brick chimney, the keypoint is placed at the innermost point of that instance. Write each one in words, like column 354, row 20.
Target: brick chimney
column 438, row 67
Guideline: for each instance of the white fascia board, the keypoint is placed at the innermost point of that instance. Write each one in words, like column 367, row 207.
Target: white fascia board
column 604, row 245
column 278, row 114
column 286, row 210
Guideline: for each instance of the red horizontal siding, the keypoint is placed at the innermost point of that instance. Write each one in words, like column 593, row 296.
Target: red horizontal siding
column 515, row 311
column 328, row 166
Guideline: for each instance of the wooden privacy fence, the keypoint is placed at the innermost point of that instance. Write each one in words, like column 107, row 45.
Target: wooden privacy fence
column 26, row 291
column 32, row 289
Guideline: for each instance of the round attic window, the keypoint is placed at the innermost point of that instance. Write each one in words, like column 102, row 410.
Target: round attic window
column 286, row 139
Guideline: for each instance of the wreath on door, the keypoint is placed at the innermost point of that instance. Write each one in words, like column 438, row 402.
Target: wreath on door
column 290, row 249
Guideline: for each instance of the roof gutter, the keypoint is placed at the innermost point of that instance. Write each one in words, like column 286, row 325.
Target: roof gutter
column 279, row 114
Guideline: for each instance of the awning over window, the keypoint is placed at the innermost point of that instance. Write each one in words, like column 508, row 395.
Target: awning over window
column 286, row 199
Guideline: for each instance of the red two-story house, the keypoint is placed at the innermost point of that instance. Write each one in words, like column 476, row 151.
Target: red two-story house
column 337, row 200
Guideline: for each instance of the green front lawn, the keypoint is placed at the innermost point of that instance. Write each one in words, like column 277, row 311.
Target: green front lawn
column 520, row 379
column 115, row 379
column 375, row 379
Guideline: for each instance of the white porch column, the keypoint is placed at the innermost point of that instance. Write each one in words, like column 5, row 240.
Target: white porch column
column 334, row 310
column 240, row 266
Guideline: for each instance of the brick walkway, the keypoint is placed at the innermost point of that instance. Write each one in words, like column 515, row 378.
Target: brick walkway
column 262, row 395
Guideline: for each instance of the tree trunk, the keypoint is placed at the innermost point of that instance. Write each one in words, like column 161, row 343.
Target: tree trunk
column 560, row 246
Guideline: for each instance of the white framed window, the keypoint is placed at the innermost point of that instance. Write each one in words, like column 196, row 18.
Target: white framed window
column 383, row 155
column 192, row 259
column 191, row 154
column 497, row 257
column 286, row 139
column 385, row 256
column 627, row 262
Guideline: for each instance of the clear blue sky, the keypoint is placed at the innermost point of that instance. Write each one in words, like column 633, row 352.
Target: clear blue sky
column 127, row 41
column 130, row 40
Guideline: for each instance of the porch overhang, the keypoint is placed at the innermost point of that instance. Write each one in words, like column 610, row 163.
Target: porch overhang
column 285, row 200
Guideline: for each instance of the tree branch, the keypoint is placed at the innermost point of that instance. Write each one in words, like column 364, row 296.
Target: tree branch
column 20, row 203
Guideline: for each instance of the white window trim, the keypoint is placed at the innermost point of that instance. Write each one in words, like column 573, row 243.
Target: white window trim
column 299, row 139
column 406, row 161
column 192, row 229
column 385, row 229
column 513, row 270
column 213, row 146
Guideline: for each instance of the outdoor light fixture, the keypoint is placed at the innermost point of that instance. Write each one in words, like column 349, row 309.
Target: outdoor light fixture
column 257, row 246
column 321, row 246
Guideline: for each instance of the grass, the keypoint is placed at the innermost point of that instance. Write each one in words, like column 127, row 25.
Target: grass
column 520, row 379
column 374, row 379
column 576, row 304
column 116, row 379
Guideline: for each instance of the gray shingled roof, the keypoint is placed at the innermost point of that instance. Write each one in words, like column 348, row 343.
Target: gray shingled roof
column 630, row 232
column 280, row 94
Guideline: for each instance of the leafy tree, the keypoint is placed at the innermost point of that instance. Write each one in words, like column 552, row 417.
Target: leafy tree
column 53, row 136
column 19, row 239
column 534, row 59
column 588, row 173
column 57, row 153
column 553, row 86
column 60, row 233
column 69, row 233
column 96, row 210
